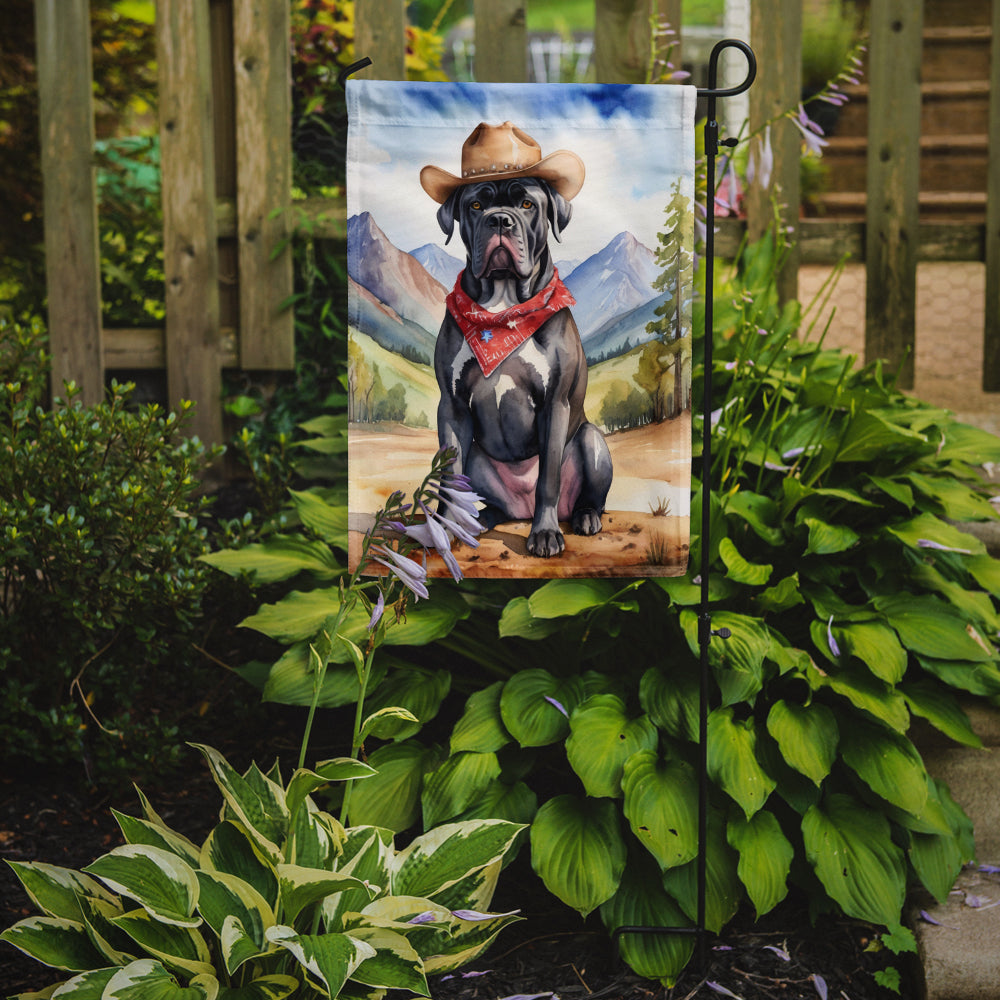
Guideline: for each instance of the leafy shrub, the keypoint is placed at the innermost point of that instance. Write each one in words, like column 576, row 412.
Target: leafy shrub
column 279, row 899
column 99, row 540
column 854, row 604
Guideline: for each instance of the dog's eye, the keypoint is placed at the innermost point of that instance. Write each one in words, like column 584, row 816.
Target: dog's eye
column 476, row 205
column 527, row 204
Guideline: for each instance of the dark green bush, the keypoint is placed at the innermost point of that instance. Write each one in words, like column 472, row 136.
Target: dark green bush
column 100, row 587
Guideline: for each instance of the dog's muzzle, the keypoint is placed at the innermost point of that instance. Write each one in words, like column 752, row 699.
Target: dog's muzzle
column 500, row 244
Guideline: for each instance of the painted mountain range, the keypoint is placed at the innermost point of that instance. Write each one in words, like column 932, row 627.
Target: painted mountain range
column 398, row 298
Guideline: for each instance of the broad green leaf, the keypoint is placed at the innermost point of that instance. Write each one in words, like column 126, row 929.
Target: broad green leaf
column 661, row 803
column 739, row 569
column 758, row 511
column 870, row 435
column 850, row 848
column 957, row 501
column 535, row 706
column 230, row 849
column 87, row 986
column 876, row 646
column 928, row 528
column 180, row 948
column 56, row 891
column 456, row 784
column 732, row 760
column 395, row 964
column 976, row 678
column 738, row 661
column 54, row 941
column 516, row 803
column 327, row 520
column 147, row 979
column 391, row 798
column 560, row 598
column 466, row 941
column 601, row 739
column 671, row 700
column 972, row 445
column 330, row 959
column 931, row 628
column 866, row 692
column 783, row 595
column 385, row 723
column 975, row 605
column 274, row 987
column 262, row 812
column 986, row 571
column 163, row 884
column 765, row 858
column 280, row 557
column 481, row 728
column 517, row 620
column 142, row 831
column 893, row 488
column 438, row 859
column 723, row 889
column 640, row 901
column 416, row 689
column 224, row 897
column 941, row 709
column 292, row 681
column 937, row 860
column 578, row 851
column 807, row 736
column 828, row 539
column 888, row 763
column 301, row 887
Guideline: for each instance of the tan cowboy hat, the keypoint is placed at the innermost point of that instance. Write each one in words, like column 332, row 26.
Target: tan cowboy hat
column 503, row 151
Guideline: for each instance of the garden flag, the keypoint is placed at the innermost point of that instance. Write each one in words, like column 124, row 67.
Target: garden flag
column 520, row 267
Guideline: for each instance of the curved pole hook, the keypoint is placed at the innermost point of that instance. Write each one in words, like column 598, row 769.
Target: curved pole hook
column 353, row 68
column 713, row 69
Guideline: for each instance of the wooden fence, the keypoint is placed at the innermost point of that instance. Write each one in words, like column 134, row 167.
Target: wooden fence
column 226, row 160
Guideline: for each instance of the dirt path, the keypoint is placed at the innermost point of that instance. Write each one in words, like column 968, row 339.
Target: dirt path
column 652, row 468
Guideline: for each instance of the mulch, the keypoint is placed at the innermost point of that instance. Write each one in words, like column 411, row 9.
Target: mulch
column 552, row 952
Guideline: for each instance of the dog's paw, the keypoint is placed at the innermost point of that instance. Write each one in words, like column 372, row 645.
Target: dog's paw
column 546, row 543
column 586, row 521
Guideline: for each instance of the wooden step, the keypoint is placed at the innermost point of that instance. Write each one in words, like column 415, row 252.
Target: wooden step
column 956, row 53
column 958, row 206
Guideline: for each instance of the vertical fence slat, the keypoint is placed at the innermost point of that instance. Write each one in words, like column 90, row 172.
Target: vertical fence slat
column 621, row 40
column 261, row 57
column 501, row 41
column 190, row 253
column 991, row 333
column 72, row 257
column 776, row 34
column 380, row 34
column 893, row 183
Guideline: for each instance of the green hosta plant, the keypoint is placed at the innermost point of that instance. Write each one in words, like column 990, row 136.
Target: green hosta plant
column 279, row 900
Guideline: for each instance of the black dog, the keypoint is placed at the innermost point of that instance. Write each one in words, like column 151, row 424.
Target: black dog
column 519, row 428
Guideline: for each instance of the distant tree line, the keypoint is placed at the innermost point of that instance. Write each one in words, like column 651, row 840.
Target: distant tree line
column 368, row 399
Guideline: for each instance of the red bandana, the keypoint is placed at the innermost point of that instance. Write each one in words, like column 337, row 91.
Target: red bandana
column 493, row 336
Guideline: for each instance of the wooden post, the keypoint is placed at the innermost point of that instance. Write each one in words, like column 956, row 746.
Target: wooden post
column 501, row 39
column 72, row 255
column 380, row 34
column 991, row 333
column 262, row 60
column 190, row 253
column 622, row 40
column 776, row 35
column 893, row 184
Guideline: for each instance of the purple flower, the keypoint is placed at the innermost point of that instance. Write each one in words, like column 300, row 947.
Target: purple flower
column 475, row 915
column 377, row 612
column 834, row 648
column 820, row 983
column 552, row 701
column 427, row 917
column 719, row 988
column 811, row 132
column 761, row 164
column 780, row 952
column 927, row 543
column 412, row 575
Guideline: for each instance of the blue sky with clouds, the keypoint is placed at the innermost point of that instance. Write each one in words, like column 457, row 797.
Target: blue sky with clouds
column 634, row 141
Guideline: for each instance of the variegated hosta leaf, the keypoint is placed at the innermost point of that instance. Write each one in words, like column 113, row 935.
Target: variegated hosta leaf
column 56, row 891
column 301, row 887
column 158, row 880
column 141, row 831
column 275, row 987
column 329, row 959
column 149, row 980
column 395, row 964
column 578, row 851
column 602, row 738
column 177, row 947
column 256, row 801
column 661, row 805
column 723, row 889
column 765, row 858
column 315, row 838
column 99, row 915
column 230, row 849
column 87, row 986
column 441, row 857
column 456, row 784
column 367, row 853
column 481, row 727
column 225, row 897
column 391, row 799
column 304, row 782
column 888, row 763
column 54, row 941
column 732, row 760
column 476, row 890
column 642, row 902
column 807, row 736
column 468, row 939
column 535, row 706
column 850, row 847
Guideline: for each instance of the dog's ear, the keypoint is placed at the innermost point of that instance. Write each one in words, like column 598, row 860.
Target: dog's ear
column 446, row 215
column 560, row 211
